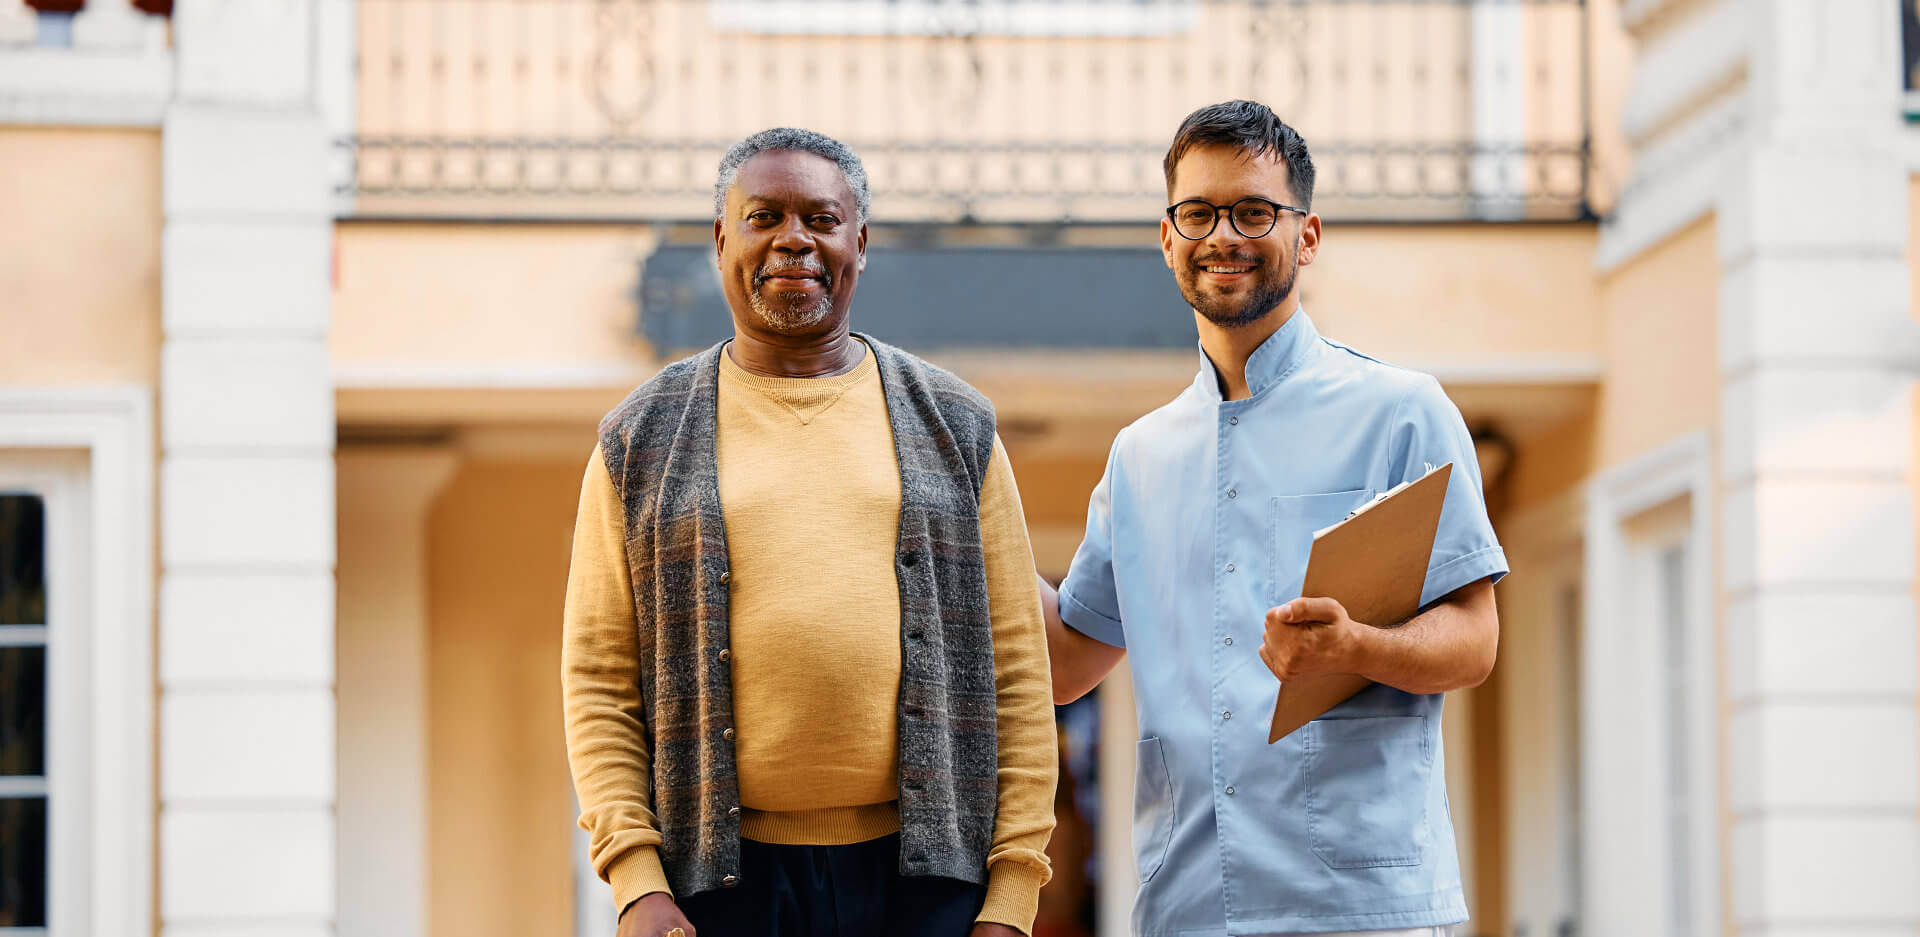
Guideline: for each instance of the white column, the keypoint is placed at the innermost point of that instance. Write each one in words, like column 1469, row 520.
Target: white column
column 1817, row 533
column 385, row 497
column 246, row 487
column 114, row 25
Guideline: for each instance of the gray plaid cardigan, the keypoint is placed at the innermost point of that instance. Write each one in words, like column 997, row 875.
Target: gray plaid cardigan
column 659, row 449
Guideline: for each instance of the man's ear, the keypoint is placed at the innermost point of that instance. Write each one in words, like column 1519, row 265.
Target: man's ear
column 862, row 266
column 719, row 241
column 1166, row 242
column 1309, row 240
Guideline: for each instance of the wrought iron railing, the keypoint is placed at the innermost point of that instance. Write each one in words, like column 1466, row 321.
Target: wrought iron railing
column 989, row 110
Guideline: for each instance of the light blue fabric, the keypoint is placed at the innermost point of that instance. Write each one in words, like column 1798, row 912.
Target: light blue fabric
column 1202, row 522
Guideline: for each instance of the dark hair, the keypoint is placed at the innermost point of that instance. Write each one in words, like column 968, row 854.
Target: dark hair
column 1255, row 130
column 790, row 138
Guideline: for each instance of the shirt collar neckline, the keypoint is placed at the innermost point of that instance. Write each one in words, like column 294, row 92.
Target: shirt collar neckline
column 1277, row 357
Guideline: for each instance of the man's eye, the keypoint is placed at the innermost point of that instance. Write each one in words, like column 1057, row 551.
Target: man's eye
column 1195, row 214
column 763, row 217
column 825, row 221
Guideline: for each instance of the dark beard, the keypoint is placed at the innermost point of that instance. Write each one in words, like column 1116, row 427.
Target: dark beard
column 1231, row 314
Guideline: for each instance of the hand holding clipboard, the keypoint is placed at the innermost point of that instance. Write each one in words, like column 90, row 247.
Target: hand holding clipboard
column 1375, row 564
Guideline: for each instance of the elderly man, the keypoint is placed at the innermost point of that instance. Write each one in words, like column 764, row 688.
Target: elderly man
column 805, row 667
column 1195, row 554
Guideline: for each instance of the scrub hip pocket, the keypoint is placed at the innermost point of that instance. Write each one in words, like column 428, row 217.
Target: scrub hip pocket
column 1152, row 809
column 1367, row 790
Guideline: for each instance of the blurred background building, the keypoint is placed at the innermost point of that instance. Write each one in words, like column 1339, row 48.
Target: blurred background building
column 308, row 309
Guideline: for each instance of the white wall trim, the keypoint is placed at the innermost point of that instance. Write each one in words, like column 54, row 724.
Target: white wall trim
column 1685, row 67
column 119, row 71
column 1617, row 725
column 1676, row 181
column 62, row 86
column 115, row 427
column 336, row 50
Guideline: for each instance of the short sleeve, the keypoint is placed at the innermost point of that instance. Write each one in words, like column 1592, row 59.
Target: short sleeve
column 1089, row 601
column 1428, row 432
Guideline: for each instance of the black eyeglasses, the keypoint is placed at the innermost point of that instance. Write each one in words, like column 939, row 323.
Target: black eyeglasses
column 1252, row 216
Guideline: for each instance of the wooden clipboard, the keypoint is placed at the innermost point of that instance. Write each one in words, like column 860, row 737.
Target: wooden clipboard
column 1375, row 564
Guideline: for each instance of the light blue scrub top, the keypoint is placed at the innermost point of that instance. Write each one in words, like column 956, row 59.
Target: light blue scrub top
column 1202, row 522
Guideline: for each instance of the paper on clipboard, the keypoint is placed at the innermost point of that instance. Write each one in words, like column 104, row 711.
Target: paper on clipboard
column 1375, row 564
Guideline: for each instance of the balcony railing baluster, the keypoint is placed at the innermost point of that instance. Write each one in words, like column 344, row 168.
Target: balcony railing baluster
column 992, row 110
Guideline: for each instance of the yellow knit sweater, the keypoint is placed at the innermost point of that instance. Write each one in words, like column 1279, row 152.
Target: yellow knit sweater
column 810, row 489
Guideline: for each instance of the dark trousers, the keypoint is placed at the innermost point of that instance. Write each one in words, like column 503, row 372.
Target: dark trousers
column 833, row 891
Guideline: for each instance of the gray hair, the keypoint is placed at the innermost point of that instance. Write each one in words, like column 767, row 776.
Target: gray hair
column 792, row 138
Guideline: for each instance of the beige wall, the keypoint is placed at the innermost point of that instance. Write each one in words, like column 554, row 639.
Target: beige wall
column 79, row 256
column 500, row 799
column 1663, row 375
column 1467, row 293
column 498, row 297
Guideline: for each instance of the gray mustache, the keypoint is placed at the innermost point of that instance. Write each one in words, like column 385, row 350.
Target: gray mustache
column 793, row 270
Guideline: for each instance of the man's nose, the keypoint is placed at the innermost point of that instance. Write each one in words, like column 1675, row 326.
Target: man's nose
column 1224, row 234
column 792, row 236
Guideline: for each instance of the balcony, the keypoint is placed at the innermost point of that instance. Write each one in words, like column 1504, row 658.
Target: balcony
column 988, row 111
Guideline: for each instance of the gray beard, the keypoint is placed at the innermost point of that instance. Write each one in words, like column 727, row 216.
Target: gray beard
column 790, row 317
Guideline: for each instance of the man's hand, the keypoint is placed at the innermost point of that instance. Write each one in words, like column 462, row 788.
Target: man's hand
column 654, row 916
column 1311, row 636
column 984, row 929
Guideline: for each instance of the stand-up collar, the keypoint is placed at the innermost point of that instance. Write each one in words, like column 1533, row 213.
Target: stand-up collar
column 1278, row 356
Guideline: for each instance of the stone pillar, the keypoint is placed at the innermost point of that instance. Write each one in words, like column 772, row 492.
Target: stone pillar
column 1817, row 355
column 385, row 497
column 246, row 481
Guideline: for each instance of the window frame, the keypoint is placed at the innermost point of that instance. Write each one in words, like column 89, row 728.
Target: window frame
column 93, row 450
column 1624, row 751
column 58, row 478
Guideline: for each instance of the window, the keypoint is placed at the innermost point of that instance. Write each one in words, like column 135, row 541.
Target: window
column 1910, row 42
column 23, row 714
column 1671, row 583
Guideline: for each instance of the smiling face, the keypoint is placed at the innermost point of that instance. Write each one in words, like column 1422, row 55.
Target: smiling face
column 1230, row 279
column 790, row 245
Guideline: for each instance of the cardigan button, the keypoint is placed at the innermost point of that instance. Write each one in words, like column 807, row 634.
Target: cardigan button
column 726, row 576
column 729, row 881
column 733, row 811
column 726, row 654
column 910, row 559
column 728, row 735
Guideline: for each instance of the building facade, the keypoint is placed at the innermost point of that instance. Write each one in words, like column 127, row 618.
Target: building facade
column 311, row 306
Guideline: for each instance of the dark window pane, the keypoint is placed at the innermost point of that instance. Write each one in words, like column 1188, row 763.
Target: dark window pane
column 23, row 862
column 1910, row 37
column 23, row 560
column 23, row 711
